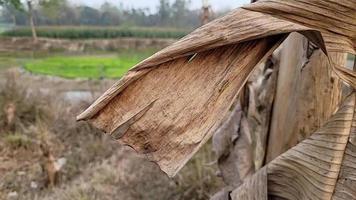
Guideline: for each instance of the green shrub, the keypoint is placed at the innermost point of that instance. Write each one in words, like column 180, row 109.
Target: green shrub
column 95, row 32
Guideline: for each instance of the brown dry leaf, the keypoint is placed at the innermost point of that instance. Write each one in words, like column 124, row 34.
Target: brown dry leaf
column 346, row 184
column 346, row 75
column 320, row 167
column 236, row 27
column 169, row 113
column 335, row 19
column 254, row 188
column 170, row 104
column 232, row 143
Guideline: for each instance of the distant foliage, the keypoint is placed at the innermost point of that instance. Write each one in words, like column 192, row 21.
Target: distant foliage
column 15, row 3
column 61, row 13
column 95, row 32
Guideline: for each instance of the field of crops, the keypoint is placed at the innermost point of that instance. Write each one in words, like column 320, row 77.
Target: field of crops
column 82, row 66
column 95, row 32
column 87, row 66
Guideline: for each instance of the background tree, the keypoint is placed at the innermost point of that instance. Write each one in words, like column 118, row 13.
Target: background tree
column 10, row 14
column 11, row 7
column 31, row 20
column 15, row 3
column 110, row 14
column 89, row 16
column 164, row 11
column 50, row 10
column 61, row 12
column 180, row 12
column 50, row 5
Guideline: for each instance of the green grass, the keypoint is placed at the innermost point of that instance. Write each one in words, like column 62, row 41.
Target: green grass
column 83, row 66
column 69, row 32
column 87, row 66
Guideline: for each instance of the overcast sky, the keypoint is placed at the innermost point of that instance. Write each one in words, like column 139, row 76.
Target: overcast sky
column 152, row 4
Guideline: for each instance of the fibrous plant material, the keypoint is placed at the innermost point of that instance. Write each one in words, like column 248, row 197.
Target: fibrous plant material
column 254, row 188
column 161, row 119
column 314, row 93
column 313, row 90
column 240, row 142
column 346, row 184
column 319, row 167
column 169, row 105
column 232, row 144
column 335, row 19
column 10, row 111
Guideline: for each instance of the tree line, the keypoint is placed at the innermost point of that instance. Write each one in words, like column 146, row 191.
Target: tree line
column 61, row 12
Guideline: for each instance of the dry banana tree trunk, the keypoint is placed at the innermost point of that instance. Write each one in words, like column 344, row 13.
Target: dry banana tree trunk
column 320, row 167
column 314, row 93
column 240, row 143
column 170, row 104
column 313, row 90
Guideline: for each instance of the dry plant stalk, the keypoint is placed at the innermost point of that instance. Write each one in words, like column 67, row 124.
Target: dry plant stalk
column 313, row 91
column 10, row 111
column 170, row 104
column 49, row 165
column 240, row 142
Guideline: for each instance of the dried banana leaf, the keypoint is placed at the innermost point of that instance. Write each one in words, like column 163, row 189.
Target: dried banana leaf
column 320, row 167
column 170, row 112
column 335, row 19
column 170, row 104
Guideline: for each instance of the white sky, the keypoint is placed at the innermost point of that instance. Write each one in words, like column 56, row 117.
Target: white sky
column 152, row 4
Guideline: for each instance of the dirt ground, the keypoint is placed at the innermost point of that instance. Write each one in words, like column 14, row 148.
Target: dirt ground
column 8, row 44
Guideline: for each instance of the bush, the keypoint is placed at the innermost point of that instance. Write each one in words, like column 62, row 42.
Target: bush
column 95, row 32
column 27, row 110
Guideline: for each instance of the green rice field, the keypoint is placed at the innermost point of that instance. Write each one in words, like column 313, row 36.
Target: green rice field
column 83, row 66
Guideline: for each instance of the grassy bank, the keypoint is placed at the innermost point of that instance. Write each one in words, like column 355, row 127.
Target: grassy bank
column 69, row 32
